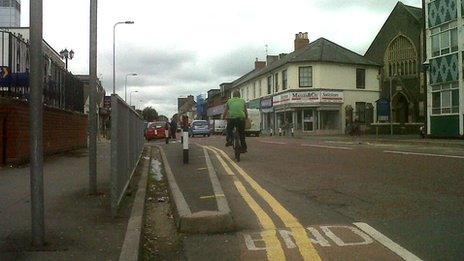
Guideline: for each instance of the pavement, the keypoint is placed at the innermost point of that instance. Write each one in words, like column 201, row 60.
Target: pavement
column 323, row 198
column 78, row 226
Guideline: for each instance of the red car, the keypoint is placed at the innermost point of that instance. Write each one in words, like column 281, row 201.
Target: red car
column 156, row 130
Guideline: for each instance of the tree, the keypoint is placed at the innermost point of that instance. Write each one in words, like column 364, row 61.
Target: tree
column 149, row 114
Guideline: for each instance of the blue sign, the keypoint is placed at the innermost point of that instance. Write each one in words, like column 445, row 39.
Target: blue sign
column 383, row 109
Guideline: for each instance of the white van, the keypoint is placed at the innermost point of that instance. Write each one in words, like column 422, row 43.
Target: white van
column 255, row 116
column 219, row 126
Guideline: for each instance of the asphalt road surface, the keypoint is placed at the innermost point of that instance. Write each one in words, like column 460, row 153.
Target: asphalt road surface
column 315, row 200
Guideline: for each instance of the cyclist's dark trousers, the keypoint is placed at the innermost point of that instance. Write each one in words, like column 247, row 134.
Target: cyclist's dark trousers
column 240, row 124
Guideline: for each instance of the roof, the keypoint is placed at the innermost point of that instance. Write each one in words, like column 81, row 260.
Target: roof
column 321, row 50
column 415, row 12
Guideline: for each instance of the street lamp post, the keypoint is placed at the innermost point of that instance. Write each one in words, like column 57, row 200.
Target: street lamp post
column 391, row 103
column 130, row 97
column 125, row 85
column 65, row 54
column 114, row 52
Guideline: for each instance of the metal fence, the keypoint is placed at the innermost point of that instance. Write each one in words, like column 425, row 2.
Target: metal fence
column 61, row 89
column 127, row 142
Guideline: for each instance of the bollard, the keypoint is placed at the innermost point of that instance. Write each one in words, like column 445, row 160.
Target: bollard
column 271, row 131
column 280, row 131
column 166, row 134
column 293, row 134
column 185, row 147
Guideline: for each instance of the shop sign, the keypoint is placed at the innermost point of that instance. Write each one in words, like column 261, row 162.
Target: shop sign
column 297, row 97
column 266, row 103
column 216, row 110
column 331, row 97
column 254, row 104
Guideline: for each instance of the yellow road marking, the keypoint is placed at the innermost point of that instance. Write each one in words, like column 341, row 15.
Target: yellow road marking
column 200, row 169
column 274, row 249
column 307, row 250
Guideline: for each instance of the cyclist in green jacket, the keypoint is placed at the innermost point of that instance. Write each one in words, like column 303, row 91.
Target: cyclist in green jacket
column 236, row 113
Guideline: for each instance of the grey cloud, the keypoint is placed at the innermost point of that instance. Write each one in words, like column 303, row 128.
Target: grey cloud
column 236, row 62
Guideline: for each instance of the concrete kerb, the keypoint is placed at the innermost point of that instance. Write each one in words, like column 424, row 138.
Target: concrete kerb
column 132, row 241
column 203, row 221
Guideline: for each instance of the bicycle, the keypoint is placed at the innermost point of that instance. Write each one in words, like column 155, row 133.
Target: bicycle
column 236, row 144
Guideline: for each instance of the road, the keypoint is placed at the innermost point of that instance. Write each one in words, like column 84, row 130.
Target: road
column 316, row 200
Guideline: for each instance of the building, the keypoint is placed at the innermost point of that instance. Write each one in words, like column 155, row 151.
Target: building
column 398, row 47
column 10, row 13
column 445, row 46
column 319, row 88
column 187, row 107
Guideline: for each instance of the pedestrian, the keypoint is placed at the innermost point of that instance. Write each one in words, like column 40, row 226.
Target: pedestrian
column 173, row 128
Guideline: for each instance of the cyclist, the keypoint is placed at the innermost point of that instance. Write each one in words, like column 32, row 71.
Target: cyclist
column 236, row 113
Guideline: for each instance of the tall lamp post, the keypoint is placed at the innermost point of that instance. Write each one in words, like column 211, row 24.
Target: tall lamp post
column 391, row 102
column 130, row 97
column 125, row 85
column 65, row 54
column 114, row 52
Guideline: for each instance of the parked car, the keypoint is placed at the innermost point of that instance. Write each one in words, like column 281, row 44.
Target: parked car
column 156, row 130
column 200, row 127
column 219, row 126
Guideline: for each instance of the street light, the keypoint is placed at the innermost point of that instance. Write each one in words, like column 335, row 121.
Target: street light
column 130, row 97
column 125, row 85
column 391, row 102
column 114, row 52
column 65, row 54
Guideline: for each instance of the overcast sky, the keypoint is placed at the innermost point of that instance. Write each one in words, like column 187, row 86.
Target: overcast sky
column 183, row 47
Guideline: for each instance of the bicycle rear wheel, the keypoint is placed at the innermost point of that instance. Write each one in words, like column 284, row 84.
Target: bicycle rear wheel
column 237, row 147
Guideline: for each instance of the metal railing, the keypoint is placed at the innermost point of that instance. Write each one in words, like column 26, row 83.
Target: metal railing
column 61, row 89
column 127, row 142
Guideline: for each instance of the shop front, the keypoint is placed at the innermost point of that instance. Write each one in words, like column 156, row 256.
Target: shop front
column 309, row 112
column 267, row 115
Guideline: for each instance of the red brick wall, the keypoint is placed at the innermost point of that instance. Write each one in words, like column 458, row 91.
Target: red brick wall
column 62, row 131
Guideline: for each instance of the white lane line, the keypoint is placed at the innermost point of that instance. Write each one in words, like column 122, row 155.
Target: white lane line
column 273, row 142
column 423, row 154
column 388, row 243
column 325, row 146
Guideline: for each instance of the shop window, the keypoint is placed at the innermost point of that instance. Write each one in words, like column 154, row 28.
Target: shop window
column 305, row 76
column 360, row 78
column 269, row 84
column 309, row 120
column 361, row 112
column 284, row 79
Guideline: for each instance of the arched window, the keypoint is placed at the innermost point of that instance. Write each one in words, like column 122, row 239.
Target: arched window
column 400, row 57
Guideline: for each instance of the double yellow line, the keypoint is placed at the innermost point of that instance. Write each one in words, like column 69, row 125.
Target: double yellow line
column 274, row 248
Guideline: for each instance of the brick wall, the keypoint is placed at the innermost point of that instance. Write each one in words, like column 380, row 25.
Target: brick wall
column 62, row 131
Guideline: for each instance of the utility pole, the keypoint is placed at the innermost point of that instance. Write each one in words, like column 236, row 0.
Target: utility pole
column 36, row 124
column 92, row 99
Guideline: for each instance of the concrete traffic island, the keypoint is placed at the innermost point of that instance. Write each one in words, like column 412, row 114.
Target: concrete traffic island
column 205, row 209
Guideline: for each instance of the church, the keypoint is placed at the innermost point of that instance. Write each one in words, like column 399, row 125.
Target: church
column 398, row 47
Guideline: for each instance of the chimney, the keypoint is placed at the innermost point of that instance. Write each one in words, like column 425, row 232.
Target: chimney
column 259, row 64
column 301, row 40
column 271, row 58
column 282, row 55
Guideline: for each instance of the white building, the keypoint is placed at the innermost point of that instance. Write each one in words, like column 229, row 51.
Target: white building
column 10, row 13
column 319, row 88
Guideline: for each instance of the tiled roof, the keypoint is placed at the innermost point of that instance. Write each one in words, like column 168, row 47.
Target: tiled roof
column 321, row 50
